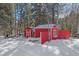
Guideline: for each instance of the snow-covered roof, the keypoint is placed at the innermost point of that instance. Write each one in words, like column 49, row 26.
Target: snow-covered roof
column 45, row 26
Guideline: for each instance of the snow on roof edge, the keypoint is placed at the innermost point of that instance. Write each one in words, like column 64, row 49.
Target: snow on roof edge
column 45, row 26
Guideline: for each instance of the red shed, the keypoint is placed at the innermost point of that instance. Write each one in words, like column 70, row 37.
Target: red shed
column 42, row 28
column 28, row 32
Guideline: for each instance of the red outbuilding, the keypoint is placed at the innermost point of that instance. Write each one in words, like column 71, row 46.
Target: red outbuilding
column 28, row 32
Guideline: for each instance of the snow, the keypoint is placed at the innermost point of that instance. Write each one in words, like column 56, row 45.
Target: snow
column 32, row 39
column 50, row 48
column 1, row 37
column 44, row 46
column 57, row 52
column 20, row 46
column 13, row 52
column 4, row 51
column 45, row 26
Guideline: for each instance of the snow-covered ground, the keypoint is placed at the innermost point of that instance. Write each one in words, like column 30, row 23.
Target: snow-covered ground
column 20, row 46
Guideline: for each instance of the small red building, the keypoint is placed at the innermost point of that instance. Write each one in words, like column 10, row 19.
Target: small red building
column 28, row 32
column 42, row 28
